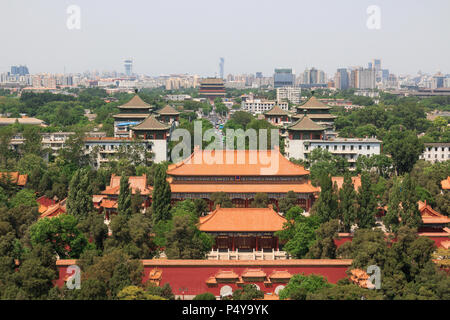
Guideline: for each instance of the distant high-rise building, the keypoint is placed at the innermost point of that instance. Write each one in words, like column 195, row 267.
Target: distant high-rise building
column 313, row 77
column 128, row 67
column 283, row 78
column 376, row 64
column 19, row 70
column 365, row 78
column 341, row 79
column 221, row 67
column 437, row 81
column 259, row 75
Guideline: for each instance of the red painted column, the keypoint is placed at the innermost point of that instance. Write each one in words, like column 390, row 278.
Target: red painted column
column 256, row 241
column 232, row 244
column 277, row 243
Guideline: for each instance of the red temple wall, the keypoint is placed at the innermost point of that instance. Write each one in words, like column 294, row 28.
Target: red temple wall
column 194, row 277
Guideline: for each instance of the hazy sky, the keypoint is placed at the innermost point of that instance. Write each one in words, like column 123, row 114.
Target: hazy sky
column 189, row 36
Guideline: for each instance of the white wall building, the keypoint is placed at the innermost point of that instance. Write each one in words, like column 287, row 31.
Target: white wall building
column 103, row 149
column 258, row 106
column 436, row 152
column 291, row 94
column 349, row 148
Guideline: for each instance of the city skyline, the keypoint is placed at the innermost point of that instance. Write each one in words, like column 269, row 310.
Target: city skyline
column 176, row 37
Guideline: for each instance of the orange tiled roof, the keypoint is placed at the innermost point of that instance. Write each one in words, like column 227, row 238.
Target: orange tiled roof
column 430, row 216
column 155, row 274
column 54, row 210
column 270, row 297
column 16, row 178
column 243, row 188
column 138, row 182
column 229, row 274
column 282, row 274
column 253, row 273
column 445, row 244
column 109, row 204
column 242, row 219
column 244, row 163
column 98, row 198
column 446, row 183
column 340, row 182
column 361, row 278
column 211, row 280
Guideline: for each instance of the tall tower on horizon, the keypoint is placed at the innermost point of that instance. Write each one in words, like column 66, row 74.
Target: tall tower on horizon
column 221, row 67
column 128, row 67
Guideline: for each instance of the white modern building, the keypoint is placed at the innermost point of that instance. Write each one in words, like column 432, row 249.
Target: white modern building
column 291, row 94
column 258, row 106
column 436, row 152
column 103, row 149
column 348, row 148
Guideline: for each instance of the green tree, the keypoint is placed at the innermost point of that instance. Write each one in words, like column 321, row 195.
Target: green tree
column 95, row 229
column 222, row 199
column 104, row 277
column 404, row 147
column 61, row 233
column 24, row 197
column 403, row 208
column 287, row 202
column 367, row 203
column 300, row 285
column 165, row 291
column 185, row 241
column 324, row 246
column 248, row 292
column 136, row 293
column 348, row 204
column 79, row 200
column 124, row 199
column 261, row 200
column 326, row 207
column 161, row 196
column 33, row 140
column 205, row 296
column 298, row 232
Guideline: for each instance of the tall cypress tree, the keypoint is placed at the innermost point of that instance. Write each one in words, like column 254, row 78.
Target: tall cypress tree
column 365, row 217
column 410, row 214
column 326, row 208
column 403, row 209
column 161, row 196
column 348, row 203
column 124, row 199
column 79, row 199
column 391, row 219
